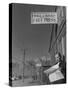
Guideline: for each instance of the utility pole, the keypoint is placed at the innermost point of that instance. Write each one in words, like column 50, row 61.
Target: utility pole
column 24, row 54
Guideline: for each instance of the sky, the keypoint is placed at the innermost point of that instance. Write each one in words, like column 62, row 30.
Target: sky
column 34, row 37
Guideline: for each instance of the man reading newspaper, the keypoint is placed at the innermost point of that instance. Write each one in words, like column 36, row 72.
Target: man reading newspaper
column 57, row 73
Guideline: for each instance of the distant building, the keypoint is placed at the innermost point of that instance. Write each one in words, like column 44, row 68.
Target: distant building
column 58, row 35
column 15, row 69
column 42, row 64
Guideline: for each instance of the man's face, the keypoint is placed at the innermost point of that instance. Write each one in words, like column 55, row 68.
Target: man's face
column 57, row 57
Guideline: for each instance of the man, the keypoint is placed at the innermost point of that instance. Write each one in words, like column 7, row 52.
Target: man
column 55, row 72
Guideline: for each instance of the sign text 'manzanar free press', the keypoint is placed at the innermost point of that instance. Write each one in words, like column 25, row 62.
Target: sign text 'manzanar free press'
column 43, row 18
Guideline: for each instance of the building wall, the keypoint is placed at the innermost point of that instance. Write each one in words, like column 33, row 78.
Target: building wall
column 58, row 35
